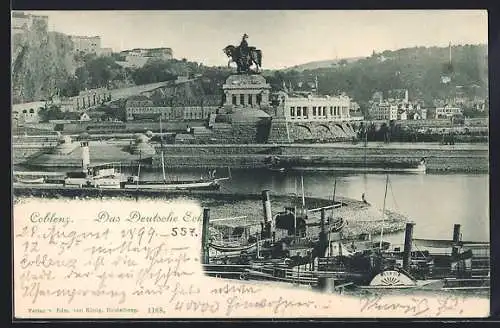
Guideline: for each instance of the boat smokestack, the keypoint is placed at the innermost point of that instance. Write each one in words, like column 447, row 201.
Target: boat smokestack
column 456, row 233
column 268, row 219
column 266, row 203
column 456, row 240
column 204, row 236
column 85, row 155
column 408, row 245
column 322, row 234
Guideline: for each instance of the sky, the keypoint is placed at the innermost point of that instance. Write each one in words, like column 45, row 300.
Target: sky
column 286, row 37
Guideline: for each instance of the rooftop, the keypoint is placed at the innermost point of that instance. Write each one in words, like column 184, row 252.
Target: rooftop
column 19, row 14
column 85, row 37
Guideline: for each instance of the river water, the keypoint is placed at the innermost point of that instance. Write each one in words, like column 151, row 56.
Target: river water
column 435, row 202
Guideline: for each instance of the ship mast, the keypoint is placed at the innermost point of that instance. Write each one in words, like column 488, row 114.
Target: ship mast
column 449, row 52
column 162, row 159
column 383, row 213
column 139, row 169
column 303, row 195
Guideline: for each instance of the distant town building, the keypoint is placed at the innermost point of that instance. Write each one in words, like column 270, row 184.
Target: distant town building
column 27, row 112
column 85, row 99
column 447, row 112
column 86, row 44
column 105, row 52
column 22, row 22
column 460, row 100
column 397, row 106
column 137, row 58
column 418, row 114
column 142, row 108
column 354, row 107
column 76, row 116
column 384, row 111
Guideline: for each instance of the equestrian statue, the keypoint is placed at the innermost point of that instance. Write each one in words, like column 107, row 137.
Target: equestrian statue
column 244, row 56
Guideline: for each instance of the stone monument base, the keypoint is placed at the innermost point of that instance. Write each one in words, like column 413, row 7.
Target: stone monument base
column 280, row 132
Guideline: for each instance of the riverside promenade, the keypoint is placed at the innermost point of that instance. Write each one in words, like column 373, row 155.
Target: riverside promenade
column 464, row 158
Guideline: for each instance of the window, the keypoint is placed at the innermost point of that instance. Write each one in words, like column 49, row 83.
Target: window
column 292, row 111
column 331, row 110
column 234, row 100
column 242, row 99
column 250, row 100
column 299, row 111
column 314, row 110
column 324, row 111
column 259, row 99
column 304, row 111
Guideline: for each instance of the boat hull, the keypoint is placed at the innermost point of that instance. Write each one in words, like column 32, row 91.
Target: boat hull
column 209, row 185
column 417, row 170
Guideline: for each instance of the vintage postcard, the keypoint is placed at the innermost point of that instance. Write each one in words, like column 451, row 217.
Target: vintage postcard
column 250, row 164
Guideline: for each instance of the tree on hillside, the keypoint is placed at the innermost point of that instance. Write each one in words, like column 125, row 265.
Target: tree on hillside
column 52, row 112
column 417, row 69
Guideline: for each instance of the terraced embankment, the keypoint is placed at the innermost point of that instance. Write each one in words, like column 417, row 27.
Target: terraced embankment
column 463, row 158
column 440, row 158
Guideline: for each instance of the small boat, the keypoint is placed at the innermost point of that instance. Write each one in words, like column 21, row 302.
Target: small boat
column 105, row 176
column 31, row 181
column 135, row 182
column 345, row 165
column 224, row 248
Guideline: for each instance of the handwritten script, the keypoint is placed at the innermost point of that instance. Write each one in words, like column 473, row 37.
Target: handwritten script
column 121, row 259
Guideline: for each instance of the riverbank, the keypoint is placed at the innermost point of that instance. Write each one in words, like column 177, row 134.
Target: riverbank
column 458, row 158
column 362, row 218
column 464, row 158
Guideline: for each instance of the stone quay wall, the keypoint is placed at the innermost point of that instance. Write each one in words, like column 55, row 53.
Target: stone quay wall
column 439, row 159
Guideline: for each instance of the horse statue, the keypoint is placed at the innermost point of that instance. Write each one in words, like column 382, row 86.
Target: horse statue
column 244, row 61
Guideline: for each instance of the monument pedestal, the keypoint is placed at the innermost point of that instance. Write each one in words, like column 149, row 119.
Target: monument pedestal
column 280, row 131
column 246, row 91
column 246, row 100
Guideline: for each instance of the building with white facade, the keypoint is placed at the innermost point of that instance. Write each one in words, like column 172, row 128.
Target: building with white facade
column 447, row 112
column 85, row 100
column 27, row 112
column 105, row 51
column 21, row 22
column 397, row 106
column 137, row 58
column 307, row 107
column 418, row 114
column 141, row 107
column 86, row 44
column 384, row 111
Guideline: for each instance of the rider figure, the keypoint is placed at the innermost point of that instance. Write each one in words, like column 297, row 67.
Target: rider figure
column 244, row 49
column 244, row 45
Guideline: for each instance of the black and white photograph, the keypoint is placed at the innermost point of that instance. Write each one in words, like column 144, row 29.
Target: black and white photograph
column 250, row 163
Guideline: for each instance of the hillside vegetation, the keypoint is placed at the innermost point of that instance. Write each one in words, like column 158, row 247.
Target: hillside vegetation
column 419, row 69
column 44, row 64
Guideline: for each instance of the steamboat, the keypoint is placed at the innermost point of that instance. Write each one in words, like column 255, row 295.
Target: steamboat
column 107, row 176
column 286, row 250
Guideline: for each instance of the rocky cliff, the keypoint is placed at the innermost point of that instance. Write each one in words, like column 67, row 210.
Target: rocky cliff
column 41, row 61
